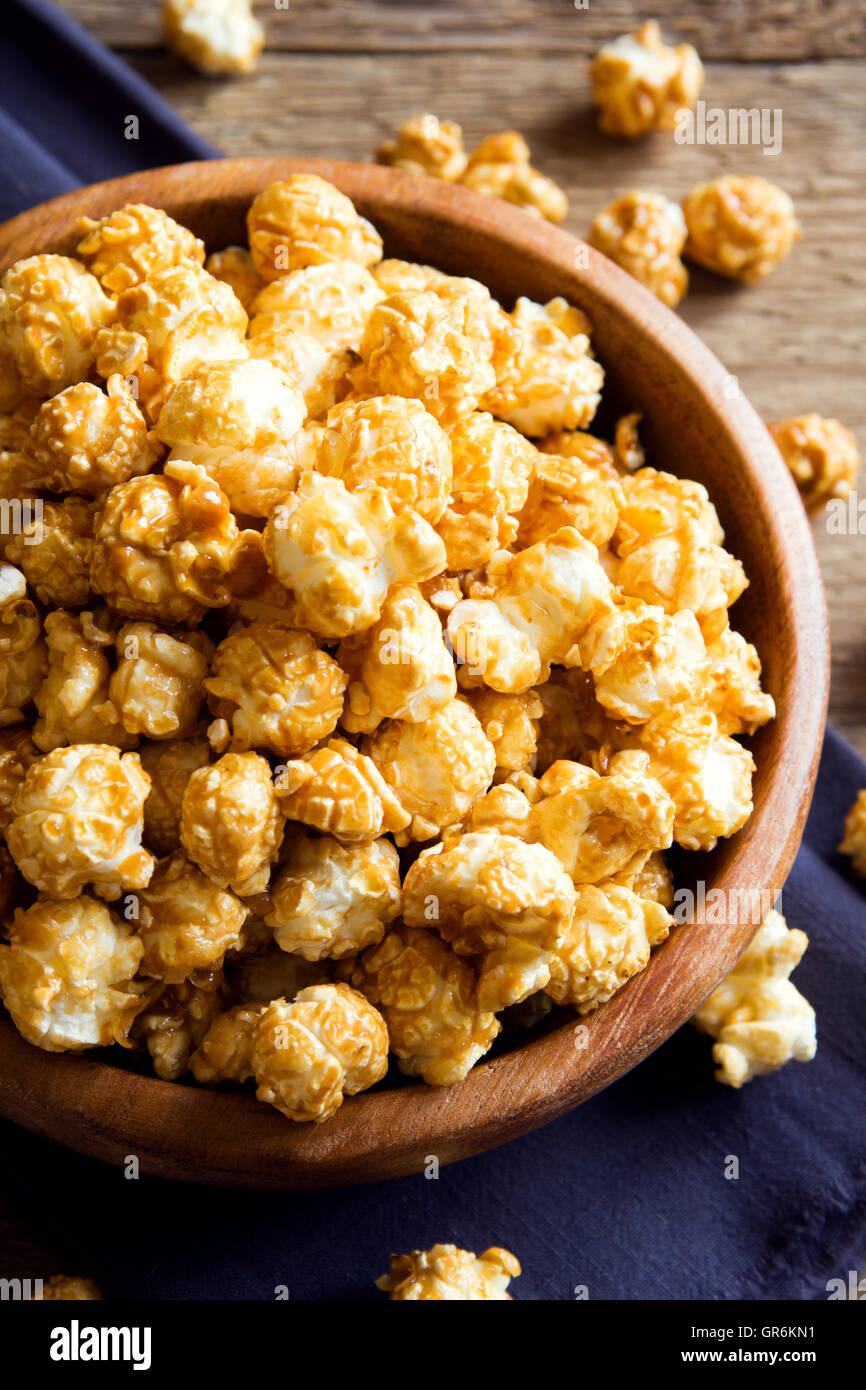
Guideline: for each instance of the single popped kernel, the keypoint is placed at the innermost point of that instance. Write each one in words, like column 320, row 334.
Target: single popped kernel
column 641, row 84
column 645, row 233
column 129, row 245
column 51, row 311
column 394, row 443
column 609, row 940
column 510, row 723
column 305, row 221
column 500, row 166
column 447, row 1274
column 332, row 900
column 854, row 840
column 53, row 552
column 340, row 792
column 426, row 145
column 225, row 1052
column 157, row 686
column 186, row 922
column 546, row 378
column 821, row 454
column 73, row 700
column 331, row 302
column 88, row 440
column 169, row 765
column 231, row 824
column 214, row 36
column 234, row 266
column 740, row 225
column 175, row 1019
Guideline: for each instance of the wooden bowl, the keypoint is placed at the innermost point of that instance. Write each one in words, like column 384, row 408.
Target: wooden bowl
column 693, row 425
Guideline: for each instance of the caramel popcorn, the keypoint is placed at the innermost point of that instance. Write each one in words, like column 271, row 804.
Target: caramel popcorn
column 707, row 775
column 17, row 753
column 88, row 440
column 186, row 921
column 854, row 839
column 214, row 36
column 322, row 375
column 740, row 225
column 492, row 465
column 51, row 310
column 157, row 687
column 66, row 976
column 169, row 765
column 276, row 689
column 759, row 1019
column 547, row 379
column 305, row 221
column 225, row 1051
column 494, row 897
column 510, row 723
column 400, row 667
column 163, row 545
column 23, row 653
column 426, row 145
column 435, row 768
column 73, row 700
column 77, row 820
column 331, row 302
column 231, row 825
column 604, row 459
column 395, row 443
column 500, row 167
column 730, row 685
column 821, row 454
column 640, row 84
column 645, row 233
column 53, row 552
column 134, row 242
column 307, row 1055
column 340, row 552
column 175, row 1021
column 340, row 792
column 567, row 492
column 608, row 940
column 660, row 664
column 234, row 266
column 428, row 996
column 446, row 1274
column 333, row 900
column 69, row 1289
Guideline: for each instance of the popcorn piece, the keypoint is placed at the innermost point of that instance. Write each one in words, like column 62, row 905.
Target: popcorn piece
column 169, row 765
column 18, row 752
column 395, row 277
column 510, row 723
column 334, row 900
column 16, row 423
column 399, row 668
column 134, row 242
column 654, row 882
column 542, row 603
column 225, row 1051
column 741, row 226
column 428, row 996
column 854, row 839
column 660, row 664
column 426, row 145
column 51, row 310
column 66, row 976
column 166, row 326
column 320, row 374
column 87, row 441
column 707, row 775
column 331, row 302
column 436, row 769
column 68, row 1289
column 496, row 898
column 53, row 552
column 329, row 1042
column 640, row 84
column 657, row 504
column 432, row 348
column 821, row 454
column 236, row 420
column 731, row 686
column 186, row 921
column 73, row 699
column 340, row 552
column 492, row 466
column 759, row 1019
column 276, row 689
column 391, row 442
column 340, row 792
column 608, row 941
column 305, row 221
column 163, row 546
column 680, row 570
column 448, row 1274
column 156, row 688
column 566, row 492
column 547, row 379
column 176, row 1020
column 231, row 825
column 214, row 36
column 645, row 233
column 500, row 167
column 23, row 654
column 77, row 819
column 589, row 450
column 234, row 266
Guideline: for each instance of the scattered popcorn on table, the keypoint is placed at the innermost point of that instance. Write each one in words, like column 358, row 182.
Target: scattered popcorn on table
column 640, row 84
column 446, row 1274
column 426, row 145
column 854, row 839
column 214, row 36
column 821, row 454
column 645, row 233
column 759, row 1019
column 740, row 225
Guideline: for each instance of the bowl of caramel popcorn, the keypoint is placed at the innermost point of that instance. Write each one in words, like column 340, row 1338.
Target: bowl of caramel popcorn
column 401, row 619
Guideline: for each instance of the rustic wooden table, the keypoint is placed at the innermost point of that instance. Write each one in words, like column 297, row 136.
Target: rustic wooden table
column 338, row 76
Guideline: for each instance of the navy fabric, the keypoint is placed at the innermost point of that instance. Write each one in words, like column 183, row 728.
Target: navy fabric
column 626, row 1196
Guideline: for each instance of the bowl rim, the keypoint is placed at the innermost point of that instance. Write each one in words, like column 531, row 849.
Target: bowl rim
column 226, row 1138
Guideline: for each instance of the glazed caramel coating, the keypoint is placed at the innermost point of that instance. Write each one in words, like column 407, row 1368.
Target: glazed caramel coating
column 500, row 167
column 510, row 723
column 231, row 825
column 587, row 449
column 308, row 1054
column 77, row 820
column 567, row 492
column 225, row 1052
column 129, row 245
column 176, row 1019
column 169, row 765
column 234, row 266
column 341, row 792
column 608, row 940
column 88, row 440
column 276, row 689
column 659, row 666
column 53, row 552
column 330, row 302
column 333, row 900
column 740, row 226
column 214, row 36
column 447, row 1274
column 23, row 653
column 395, row 443
column 645, row 233
column 428, row 996
column 426, row 145
column 73, row 700
column 157, row 687
column 546, row 378
column 305, row 221
column 186, row 921
column 17, row 753
column 51, row 310
column 321, row 374
column 821, row 454
column 640, row 84
column 66, row 976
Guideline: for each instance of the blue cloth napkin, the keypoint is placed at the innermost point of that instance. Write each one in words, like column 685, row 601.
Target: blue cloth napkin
column 625, row 1197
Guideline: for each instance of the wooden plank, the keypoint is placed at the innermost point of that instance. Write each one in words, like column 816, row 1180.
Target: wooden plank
column 776, row 30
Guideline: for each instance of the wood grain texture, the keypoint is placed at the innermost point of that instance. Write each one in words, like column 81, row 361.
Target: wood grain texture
column 655, row 363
